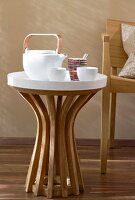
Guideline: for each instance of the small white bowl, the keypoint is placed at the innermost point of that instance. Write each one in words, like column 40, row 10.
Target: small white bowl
column 87, row 73
column 56, row 74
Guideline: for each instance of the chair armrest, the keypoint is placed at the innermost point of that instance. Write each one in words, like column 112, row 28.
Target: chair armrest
column 105, row 37
column 106, row 65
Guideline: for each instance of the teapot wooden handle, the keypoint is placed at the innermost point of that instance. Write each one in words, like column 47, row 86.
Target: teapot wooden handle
column 59, row 40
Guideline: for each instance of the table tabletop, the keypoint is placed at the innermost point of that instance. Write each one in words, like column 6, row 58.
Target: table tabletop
column 21, row 80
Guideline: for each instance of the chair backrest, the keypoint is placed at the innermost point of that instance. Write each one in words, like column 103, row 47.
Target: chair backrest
column 117, row 54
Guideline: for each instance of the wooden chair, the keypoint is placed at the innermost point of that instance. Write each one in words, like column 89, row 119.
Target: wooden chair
column 114, row 57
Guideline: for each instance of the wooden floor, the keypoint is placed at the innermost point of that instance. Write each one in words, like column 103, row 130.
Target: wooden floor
column 117, row 184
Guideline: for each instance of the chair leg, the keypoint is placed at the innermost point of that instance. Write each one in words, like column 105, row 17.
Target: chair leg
column 105, row 129
column 112, row 119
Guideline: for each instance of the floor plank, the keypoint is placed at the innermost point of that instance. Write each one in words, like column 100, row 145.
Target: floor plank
column 117, row 184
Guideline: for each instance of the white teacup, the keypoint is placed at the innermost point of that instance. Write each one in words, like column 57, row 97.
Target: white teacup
column 56, row 74
column 87, row 73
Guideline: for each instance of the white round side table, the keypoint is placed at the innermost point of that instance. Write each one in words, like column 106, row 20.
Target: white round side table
column 54, row 169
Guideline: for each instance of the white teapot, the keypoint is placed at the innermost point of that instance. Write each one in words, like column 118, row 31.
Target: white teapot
column 37, row 62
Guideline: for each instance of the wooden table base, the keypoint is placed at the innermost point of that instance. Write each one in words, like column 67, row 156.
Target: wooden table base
column 54, row 169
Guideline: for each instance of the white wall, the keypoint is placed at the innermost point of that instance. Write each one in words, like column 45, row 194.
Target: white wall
column 80, row 23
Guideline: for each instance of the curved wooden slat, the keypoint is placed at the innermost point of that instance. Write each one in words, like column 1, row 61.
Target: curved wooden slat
column 31, row 175
column 74, row 168
column 51, row 107
column 80, row 180
column 57, row 164
column 62, row 146
column 43, row 160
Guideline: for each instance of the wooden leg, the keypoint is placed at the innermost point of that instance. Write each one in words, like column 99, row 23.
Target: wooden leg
column 62, row 145
column 51, row 107
column 32, row 171
column 105, row 129
column 73, row 162
column 80, row 179
column 57, row 155
column 43, row 160
column 112, row 119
